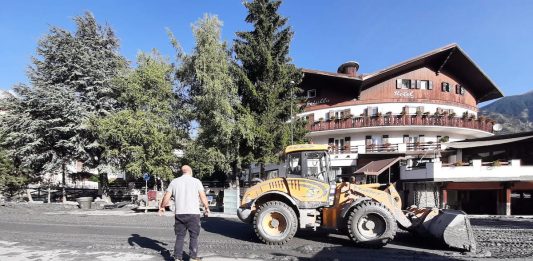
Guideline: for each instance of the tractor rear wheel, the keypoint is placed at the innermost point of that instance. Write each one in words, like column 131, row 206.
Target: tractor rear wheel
column 371, row 224
column 275, row 223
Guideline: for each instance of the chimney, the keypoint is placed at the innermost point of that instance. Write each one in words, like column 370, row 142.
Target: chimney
column 349, row 68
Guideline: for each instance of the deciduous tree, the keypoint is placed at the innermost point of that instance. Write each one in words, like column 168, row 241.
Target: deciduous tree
column 216, row 107
column 141, row 137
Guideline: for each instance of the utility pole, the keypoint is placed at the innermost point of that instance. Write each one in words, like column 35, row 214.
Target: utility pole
column 292, row 128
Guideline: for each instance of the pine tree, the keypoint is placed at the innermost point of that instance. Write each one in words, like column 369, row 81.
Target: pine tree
column 214, row 100
column 70, row 83
column 268, row 81
column 140, row 138
column 41, row 128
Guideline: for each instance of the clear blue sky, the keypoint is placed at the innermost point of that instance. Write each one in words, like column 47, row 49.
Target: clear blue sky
column 498, row 35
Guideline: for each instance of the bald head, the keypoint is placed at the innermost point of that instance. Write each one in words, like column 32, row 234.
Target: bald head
column 186, row 170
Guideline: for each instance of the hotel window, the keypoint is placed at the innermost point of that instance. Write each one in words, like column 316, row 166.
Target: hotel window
column 311, row 93
column 368, row 140
column 371, row 111
column 459, row 89
column 424, row 85
column 446, row 87
column 405, row 84
column 385, row 139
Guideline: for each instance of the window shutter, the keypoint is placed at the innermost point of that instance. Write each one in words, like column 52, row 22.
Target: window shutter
column 430, row 86
column 398, row 83
column 413, row 84
column 331, row 140
column 418, row 84
column 405, row 138
column 443, row 85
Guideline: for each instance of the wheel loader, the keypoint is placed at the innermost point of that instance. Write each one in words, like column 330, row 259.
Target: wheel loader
column 307, row 195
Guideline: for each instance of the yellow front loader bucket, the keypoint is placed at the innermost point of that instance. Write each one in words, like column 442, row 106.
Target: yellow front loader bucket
column 451, row 227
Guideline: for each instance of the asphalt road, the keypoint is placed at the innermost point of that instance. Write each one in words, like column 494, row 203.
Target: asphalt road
column 40, row 232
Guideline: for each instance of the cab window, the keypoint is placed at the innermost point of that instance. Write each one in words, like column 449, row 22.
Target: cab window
column 316, row 165
column 295, row 164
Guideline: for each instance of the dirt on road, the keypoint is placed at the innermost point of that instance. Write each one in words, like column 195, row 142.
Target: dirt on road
column 59, row 232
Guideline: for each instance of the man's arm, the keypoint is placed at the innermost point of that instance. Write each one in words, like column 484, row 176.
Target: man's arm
column 203, row 198
column 164, row 202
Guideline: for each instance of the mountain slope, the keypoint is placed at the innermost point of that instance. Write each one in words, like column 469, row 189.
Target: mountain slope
column 513, row 112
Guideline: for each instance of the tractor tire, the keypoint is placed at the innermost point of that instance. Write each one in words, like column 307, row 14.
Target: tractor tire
column 371, row 224
column 275, row 223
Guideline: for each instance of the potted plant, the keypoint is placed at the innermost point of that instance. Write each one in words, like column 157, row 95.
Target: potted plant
column 496, row 163
column 444, row 139
column 451, row 115
column 320, row 119
column 426, row 114
column 403, row 113
column 418, row 113
column 465, row 115
column 458, row 163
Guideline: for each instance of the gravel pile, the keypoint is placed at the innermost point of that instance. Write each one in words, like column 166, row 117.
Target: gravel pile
column 504, row 237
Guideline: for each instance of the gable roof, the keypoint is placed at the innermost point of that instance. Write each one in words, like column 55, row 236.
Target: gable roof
column 450, row 60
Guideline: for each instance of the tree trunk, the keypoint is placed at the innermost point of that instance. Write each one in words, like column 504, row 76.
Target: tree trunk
column 63, row 184
column 103, row 187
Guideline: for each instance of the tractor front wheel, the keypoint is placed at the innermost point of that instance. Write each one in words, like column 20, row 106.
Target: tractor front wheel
column 371, row 224
column 275, row 223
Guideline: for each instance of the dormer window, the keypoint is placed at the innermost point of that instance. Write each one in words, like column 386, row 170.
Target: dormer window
column 311, row 93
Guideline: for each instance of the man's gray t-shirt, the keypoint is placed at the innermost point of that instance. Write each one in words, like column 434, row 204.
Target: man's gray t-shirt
column 185, row 190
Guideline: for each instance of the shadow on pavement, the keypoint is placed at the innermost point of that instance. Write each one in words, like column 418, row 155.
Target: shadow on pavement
column 149, row 243
column 230, row 228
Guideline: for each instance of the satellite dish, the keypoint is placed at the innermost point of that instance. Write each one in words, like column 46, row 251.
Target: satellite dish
column 497, row 127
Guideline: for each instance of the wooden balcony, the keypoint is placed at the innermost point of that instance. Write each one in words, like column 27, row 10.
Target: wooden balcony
column 386, row 148
column 403, row 120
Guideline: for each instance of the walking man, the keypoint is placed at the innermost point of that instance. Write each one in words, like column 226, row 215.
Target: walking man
column 186, row 191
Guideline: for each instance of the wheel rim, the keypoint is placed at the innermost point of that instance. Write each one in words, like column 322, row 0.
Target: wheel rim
column 274, row 224
column 371, row 226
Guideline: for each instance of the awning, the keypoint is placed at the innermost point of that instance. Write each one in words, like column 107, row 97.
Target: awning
column 377, row 167
column 473, row 144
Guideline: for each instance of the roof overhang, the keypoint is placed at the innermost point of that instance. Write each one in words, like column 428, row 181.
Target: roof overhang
column 483, row 143
column 377, row 167
column 332, row 80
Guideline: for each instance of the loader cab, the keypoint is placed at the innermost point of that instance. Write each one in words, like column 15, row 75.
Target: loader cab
column 311, row 161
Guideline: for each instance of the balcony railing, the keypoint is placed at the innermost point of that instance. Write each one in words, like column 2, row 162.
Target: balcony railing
column 475, row 171
column 403, row 120
column 387, row 147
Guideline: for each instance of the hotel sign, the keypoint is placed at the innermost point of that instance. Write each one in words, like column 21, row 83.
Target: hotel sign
column 317, row 102
column 404, row 94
